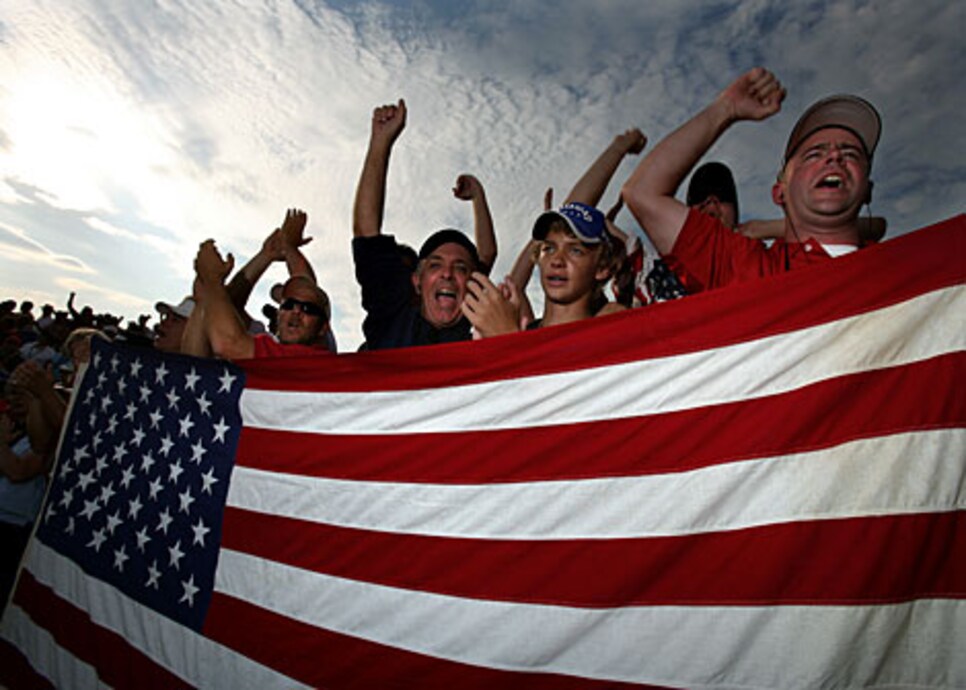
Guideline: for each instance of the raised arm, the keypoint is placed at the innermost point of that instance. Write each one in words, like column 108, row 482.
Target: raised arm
column 194, row 339
column 293, row 239
column 282, row 244
column 649, row 193
column 523, row 266
column 871, row 229
column 590, row 188
column 469, row 188
column 388, row 122
column 70, row 306
column 610, row 218
column 223, row 325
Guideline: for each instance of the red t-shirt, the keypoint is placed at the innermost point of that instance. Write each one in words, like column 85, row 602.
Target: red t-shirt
column 708, row 255
column 267, row 346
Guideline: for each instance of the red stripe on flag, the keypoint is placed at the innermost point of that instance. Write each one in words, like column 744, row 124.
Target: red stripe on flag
column 322, row 658
column 865, row 405
column 782, row 303
column 118, row 664
column 820, row 562
column 16, row 672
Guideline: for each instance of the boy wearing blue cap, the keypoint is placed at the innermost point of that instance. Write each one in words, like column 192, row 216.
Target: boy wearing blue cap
column 576, row 256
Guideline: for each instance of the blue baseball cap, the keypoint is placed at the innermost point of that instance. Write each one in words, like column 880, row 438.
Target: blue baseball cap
column 586, row 222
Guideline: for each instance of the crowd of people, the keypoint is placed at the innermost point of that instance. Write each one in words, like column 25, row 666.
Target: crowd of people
column 442, row 293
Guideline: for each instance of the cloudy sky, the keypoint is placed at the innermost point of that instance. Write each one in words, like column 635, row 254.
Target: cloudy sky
column 132, row 130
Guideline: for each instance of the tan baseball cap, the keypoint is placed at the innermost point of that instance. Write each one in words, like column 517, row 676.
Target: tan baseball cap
column 843, row 110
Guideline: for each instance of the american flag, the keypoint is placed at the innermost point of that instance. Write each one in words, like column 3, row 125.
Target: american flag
column 761, row 486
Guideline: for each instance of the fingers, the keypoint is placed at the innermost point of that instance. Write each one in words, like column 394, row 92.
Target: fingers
column 480, row 287
column 510, row 291
column 294, row 216
column 460, row 190
column 383, row 113
column 467, row 187
column 764, row 86
column 636, row 141
column 390, row 113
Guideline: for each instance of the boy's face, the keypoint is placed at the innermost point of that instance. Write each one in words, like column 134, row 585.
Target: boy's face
column 569, row 268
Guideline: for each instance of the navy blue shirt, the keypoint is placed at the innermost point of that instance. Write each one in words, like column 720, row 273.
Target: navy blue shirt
column 392, row 310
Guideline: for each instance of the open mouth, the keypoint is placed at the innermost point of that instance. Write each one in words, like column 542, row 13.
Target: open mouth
column 445, row 295
column 831, row 182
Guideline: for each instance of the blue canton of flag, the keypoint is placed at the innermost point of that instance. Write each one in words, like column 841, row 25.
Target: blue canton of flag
column 143, row 473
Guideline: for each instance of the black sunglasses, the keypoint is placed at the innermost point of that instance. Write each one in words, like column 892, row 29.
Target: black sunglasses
column 307, row 308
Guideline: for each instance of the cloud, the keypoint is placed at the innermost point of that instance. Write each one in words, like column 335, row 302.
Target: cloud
column 111, row 230
column 15, row 245
column 132, row 132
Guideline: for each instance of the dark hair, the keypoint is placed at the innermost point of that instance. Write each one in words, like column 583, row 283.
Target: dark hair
column 408, row 255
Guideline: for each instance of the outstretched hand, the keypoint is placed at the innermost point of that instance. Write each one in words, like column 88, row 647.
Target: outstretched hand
column 388, row 122
column 755, row 95
column 467, row 187
column 493, row 310
column 209, row 266
column 293, row 229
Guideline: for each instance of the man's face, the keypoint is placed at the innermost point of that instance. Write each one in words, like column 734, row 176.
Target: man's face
column 722, row 210
column 295, row 324
column 440, row 282
column 826, row 179
column 168, row 332
column 568, row 268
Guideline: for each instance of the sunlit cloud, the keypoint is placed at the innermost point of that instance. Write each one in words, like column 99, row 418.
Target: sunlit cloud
column 15, row 245
column 130, row 132
column 111, row 230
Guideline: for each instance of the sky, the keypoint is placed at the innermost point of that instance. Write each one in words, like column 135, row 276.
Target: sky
column 133, row 130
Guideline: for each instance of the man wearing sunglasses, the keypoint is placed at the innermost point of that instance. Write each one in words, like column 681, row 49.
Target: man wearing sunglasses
column 303, row 314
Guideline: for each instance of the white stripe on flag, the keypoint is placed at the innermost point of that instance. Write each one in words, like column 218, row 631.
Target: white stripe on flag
column 914, row 330
column 183, row 652
column 897, row 645
column 888, row 475
column 46, row 656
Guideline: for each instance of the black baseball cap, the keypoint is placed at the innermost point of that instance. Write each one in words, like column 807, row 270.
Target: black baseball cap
column 445, row 236
column 713, row 179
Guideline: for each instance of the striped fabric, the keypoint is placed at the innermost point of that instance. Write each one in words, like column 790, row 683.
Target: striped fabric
column 757, row 487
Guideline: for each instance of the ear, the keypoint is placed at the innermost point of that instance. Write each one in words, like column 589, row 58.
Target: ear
column 603, row 274
column 778, row 193
column 415, row 279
